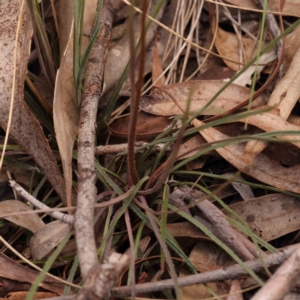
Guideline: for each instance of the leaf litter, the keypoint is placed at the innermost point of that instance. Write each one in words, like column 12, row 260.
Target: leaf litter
column 265, row 206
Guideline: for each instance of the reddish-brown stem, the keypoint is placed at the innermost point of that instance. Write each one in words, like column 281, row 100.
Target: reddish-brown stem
column 135, row 93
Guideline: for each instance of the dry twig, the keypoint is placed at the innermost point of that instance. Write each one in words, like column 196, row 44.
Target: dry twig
column 92, row 89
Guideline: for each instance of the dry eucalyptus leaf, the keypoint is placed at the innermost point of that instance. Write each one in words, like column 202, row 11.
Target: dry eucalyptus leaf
column 157, row 68
column 264, row 168
column 48, row 237
column 270, row 216
column 25, row 130
column 206, row 256
column 270, row 121
column 199, row 93
column 32, row 223
column 15, row 271
column 65, row 114
column 284, row 98
column 292, row 43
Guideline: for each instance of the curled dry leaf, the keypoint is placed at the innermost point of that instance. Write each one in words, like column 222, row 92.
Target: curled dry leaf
column 198, row 92
column 270, row 216
column 264, row 169
column 48, row 237
column 34, row 223
column 25, row 130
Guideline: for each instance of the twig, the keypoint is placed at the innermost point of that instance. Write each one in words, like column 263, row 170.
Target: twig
column 114, row 149
column 69, row 219
column 92, row 89
column 49, row 210
column 231, row 272
column 282, row 281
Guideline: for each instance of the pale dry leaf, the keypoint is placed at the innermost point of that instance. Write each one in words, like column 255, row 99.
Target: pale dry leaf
column 65, row 112
column 246, row 78
column 25, row 130
column 270, row 121
column 244, row 3
column 284, row 98
column 157, row 68
column 48, row 237
column 34, row 223
column 270, row 216
column 199, row 93
column 65, row 115
column 292, row 43
column 264, row 169
column 16, row 271
column 244, row 190
column 290, row 7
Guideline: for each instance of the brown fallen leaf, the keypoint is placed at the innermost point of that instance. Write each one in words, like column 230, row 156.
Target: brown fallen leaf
column 25, row 130
column 34, row 223
column 148, row 126
column 228, row 45
column 15, row 271
column 264, row 169
column 157, row 68
column 23, row 295
column 184, row 229
column 270, row 216
column 203, row 262
column 48, row 237
column 199, row 93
